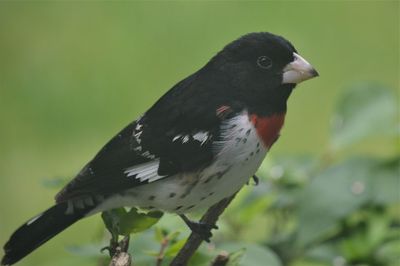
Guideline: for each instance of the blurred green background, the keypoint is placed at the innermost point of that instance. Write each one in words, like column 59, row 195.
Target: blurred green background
column 72, row 74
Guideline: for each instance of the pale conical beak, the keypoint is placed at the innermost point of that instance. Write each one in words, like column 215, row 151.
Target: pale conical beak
column 298, row 71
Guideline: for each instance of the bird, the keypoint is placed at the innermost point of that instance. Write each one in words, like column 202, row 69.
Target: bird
column 199, row 143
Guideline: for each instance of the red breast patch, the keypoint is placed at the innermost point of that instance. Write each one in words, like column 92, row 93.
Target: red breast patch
column 268, row 127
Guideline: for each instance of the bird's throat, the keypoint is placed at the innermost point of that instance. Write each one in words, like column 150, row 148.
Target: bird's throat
column 268, row 127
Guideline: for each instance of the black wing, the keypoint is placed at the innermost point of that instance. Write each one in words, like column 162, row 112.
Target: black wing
column 176, row 135
column 104, row 173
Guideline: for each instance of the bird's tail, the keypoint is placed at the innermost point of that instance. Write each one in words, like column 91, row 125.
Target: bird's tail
column 40, row 229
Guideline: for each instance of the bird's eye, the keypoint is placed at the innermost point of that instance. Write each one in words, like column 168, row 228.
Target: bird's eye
column 264, row 62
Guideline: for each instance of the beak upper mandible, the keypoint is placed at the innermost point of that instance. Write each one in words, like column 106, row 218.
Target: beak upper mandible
column 298, row 71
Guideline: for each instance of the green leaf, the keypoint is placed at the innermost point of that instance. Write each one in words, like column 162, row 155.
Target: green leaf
column 159, row 234
column 236, row 257
column 134, row 222
column 389, row 253
column 255, row 255
column 378, row 227
column 366, row 110
column 331, row 196
column 173, row 236
column 324, row 253
column 253, row 209
column 120, row 222
column 199, row 259
column 386, row 182
column 173, row 249
column 112, row 220
column 291, row 171
column 365, row 241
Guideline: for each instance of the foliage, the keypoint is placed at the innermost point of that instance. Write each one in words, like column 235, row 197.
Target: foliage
column 308, row 211
column 122, row 222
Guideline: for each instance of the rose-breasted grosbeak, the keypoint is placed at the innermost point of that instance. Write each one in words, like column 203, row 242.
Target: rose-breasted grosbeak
column 198, row 144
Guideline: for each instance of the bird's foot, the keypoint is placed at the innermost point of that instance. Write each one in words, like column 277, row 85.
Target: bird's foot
column 200, row 228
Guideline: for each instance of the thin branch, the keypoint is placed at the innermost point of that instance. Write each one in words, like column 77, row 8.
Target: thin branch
column 121, row 256
column 164, row 245
column 194, row 240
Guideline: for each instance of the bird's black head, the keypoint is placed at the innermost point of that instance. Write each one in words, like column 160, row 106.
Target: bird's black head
column 263, row 68
column 263, row 52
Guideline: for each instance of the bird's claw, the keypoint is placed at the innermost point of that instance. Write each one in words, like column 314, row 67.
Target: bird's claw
column 203, row 230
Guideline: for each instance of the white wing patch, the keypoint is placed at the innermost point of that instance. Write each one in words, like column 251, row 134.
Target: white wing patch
column 176, row 138
column 201, row 136
column 137, row 133
column 145, row 172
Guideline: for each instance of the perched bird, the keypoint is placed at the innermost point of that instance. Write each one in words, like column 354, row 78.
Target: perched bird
column 198, row 144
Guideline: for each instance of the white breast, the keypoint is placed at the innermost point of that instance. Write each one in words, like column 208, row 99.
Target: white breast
column 239, row 152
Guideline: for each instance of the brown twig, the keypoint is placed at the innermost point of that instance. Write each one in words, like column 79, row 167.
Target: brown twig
column 164, row 245
column 194, row 240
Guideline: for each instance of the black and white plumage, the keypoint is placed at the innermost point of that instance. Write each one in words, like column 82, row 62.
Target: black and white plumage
column 237, row 151
column 196, row 145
